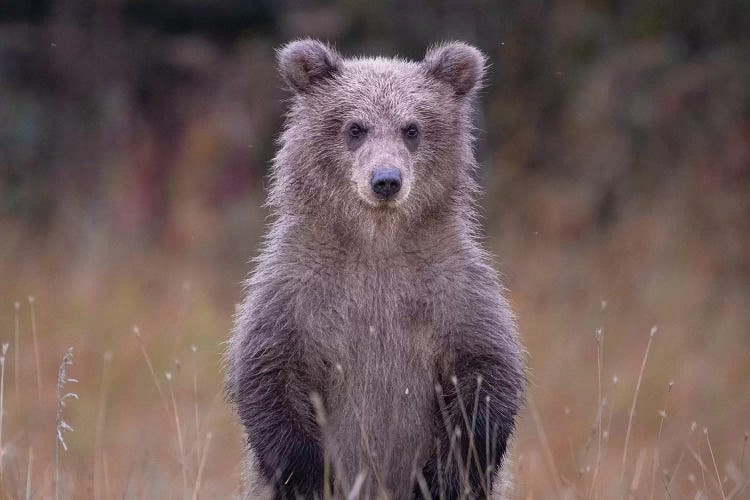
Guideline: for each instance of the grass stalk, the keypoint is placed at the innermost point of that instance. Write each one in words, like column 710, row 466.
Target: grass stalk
column 194, row 350
column 28, row 473
column 105, row 470
column 600, row 410
column 154, row 377
column 545, row 447
column 35, row 341
column 360, row 480
column 180, row 443
column 716, row 467
column 62, row 426
column 698, row 459
column 100, row 421
column 199, row 475
column 655, row 459
column 632, row 407
column 2, row 407
column 471, row 453
column 16, row 343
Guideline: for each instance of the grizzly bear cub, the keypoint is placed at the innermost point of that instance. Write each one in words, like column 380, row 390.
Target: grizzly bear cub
column 374, row 354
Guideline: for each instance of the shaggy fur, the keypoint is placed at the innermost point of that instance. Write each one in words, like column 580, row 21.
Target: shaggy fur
column 374, row 349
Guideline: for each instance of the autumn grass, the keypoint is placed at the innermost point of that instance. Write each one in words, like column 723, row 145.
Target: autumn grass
column 35, row 340
column 2, row 398
column 599, row 485
column 62, row 426
column 635, row 400
column 603, row 418
column 101, row 482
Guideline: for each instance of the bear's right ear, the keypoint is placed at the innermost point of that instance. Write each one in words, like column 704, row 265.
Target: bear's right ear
column 458, row 64
column 303, row 63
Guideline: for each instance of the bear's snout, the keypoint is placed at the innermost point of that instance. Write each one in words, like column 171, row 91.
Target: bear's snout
column 386, row 182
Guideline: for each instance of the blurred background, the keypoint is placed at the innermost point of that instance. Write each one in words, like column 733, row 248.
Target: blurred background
column 135, row 139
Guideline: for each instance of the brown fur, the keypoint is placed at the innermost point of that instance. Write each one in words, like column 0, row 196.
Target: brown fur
column 367, row 305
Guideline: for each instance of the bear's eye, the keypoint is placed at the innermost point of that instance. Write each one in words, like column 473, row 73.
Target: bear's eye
column 356, row 130
column 411, row 131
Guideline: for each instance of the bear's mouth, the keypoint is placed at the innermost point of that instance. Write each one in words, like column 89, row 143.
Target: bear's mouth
column 375, row 202
column 381, row 205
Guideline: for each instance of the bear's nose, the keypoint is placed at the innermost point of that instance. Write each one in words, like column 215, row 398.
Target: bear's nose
column 386, row 182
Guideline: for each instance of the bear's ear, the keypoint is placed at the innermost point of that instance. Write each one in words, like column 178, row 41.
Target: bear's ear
column 458, row 64
column 302, row 63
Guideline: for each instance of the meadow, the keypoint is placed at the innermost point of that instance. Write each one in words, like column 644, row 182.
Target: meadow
column 639, row 375
column 135, row 138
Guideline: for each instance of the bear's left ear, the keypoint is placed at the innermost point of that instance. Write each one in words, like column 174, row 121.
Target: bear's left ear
column 458, row 64
column 303, row 63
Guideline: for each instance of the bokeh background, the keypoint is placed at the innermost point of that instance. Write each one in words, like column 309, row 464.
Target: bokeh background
column 135, row 137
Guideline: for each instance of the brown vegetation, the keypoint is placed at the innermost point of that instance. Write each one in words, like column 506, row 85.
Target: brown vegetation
column 616, row 151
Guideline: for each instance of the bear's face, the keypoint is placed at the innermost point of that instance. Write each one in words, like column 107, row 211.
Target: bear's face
column 377, row 138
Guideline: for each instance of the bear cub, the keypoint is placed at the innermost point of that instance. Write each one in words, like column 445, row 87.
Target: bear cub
column 374, row 354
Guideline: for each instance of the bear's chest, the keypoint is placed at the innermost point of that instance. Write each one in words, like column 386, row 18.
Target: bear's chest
column 362, row 311
column 379, row 330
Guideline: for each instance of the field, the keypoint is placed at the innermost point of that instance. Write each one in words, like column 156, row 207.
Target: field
column 630, row 321
column 135, row 138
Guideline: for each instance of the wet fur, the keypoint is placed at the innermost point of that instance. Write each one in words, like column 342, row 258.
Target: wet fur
column 389, row 317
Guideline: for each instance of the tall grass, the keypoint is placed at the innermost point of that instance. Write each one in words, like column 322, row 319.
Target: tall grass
column 173, row 437
column 61, row 425
column 2, row 400
column 35, row 339
column 635, row 400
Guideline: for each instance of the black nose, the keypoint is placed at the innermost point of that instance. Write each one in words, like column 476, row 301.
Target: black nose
column 386, row 182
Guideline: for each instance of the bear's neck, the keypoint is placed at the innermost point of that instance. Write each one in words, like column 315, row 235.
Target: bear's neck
column 444, row 233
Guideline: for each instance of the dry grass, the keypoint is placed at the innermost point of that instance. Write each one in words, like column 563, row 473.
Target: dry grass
column 599, row 423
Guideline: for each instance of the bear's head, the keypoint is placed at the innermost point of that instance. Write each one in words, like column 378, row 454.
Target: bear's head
column 377, row 142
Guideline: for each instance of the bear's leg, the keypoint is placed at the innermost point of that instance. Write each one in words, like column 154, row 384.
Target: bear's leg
column 273, row 390
column 475, row 418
